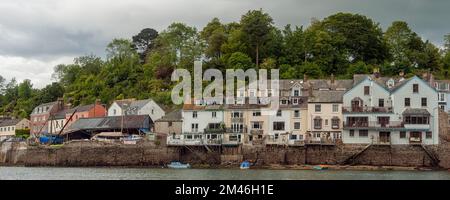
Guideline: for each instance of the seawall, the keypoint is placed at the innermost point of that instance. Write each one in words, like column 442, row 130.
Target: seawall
column 84, row 154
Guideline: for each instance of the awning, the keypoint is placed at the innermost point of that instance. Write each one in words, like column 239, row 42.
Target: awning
column 416, row 111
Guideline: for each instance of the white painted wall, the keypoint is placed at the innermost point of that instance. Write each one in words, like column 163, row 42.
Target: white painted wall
column 204, row 117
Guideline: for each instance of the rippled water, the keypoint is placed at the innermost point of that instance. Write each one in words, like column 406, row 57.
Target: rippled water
column 14, row 173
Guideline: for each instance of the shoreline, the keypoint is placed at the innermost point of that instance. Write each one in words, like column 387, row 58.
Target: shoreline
column 265, row 167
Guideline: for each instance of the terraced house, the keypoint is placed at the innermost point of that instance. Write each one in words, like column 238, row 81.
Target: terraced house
column 381, row 110
column 202, row 124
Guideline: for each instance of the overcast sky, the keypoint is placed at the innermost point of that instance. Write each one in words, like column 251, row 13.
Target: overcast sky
column 39, row 34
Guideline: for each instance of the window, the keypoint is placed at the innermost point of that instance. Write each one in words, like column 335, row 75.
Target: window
column 153, row 111
column 407, row 102
column 318, row 123
column 424, row 102
column 417, row 120
column 236, row 115
column 335, row 108
column 297, row 113
column 352, row 133
column 402, row 134
column 293, row 137
column 415, row 88
column 214, row 126
column 366, row 90
column 115, row 111
column 296, row 93
column 429, row 135
column 194, row 128
column 214, row 114
column 295, row 101
column 195, row 115
column 441, row 96
column 318, row 108
column 256, row 113
column 363, row 133
column 380, row 102
column 326, row 122
column 335, row 123
column 297, row 125
column 257, row 125
column 442, row 107
column 284, row 102
column 170, row 124
column 278, row 126
column 279, row 113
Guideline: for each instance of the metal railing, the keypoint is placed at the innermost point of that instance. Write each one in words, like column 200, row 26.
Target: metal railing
column 367, row 109
column 374, row 124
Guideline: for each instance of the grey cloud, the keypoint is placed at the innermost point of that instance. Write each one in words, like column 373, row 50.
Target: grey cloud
column 47, row 30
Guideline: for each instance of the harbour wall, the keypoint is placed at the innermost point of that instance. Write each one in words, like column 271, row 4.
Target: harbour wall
column 87, row 154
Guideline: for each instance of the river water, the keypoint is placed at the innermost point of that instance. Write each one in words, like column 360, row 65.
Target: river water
column 45, row 173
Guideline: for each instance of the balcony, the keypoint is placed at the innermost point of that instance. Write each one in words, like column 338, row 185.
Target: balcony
column 367, row 109
column 373, row 125
column 236, row 130
column 193, row 142
column 320, row 141
column 257, row 132
column 237, row 120
column 214, row 130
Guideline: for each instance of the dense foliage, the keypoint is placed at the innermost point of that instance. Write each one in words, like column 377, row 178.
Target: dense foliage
column 140, row 67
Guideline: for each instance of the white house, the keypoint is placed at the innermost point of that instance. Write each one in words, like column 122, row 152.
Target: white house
column 136, row 107
column 385, row 111
column 202, row 124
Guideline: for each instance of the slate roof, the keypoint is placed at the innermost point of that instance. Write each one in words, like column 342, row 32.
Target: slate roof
column 84, row 108
column 327, row 96
column 112, row 122
column 50, row 105
column 416, row 111
column 174, row 116
column 9, row 122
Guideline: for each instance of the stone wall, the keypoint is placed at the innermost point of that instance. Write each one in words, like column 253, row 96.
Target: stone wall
column 147, row 154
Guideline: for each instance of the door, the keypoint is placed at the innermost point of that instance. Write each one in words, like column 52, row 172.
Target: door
column 385, row 137
column 383, row 121
column 415, row 137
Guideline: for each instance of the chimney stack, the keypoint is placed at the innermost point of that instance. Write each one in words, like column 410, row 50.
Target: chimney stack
column 60, row 103
column 332, row 79
column 305, row 78
column 376, row 73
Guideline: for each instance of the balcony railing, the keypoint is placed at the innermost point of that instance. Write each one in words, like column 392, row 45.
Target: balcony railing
column 236, row 130
column 367, row 109
column 193, row 142
column 320, row 141
column 237, row 120
column 374, row 124
column 256, row 132
column 214, row 130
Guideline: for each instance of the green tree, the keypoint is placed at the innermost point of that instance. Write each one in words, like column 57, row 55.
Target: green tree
column 239, row 60
column 144, row 41
column 256, row 25
column 25, row 89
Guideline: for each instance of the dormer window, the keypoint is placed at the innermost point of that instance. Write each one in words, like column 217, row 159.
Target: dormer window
column 296, row 93
column 366, row 90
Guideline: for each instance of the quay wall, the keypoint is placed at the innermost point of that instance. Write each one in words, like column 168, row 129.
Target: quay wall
column 84, row 154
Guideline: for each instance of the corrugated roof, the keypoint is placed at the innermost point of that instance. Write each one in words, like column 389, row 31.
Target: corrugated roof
column 112, row 122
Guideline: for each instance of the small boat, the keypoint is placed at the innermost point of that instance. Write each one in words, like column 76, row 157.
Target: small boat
column 245, row 165
column 320, row 167
column 178, row 165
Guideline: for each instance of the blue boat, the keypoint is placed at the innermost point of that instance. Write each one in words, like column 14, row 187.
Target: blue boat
column 320, row 167
column 178, row 165
column 245, row 165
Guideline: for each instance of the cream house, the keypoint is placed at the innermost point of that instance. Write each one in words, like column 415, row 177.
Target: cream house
column 325, row 116
column 8, row 127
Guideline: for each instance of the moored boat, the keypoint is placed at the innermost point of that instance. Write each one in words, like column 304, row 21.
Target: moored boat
column 245, row 165
column 320, row 167
column 178, row 165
